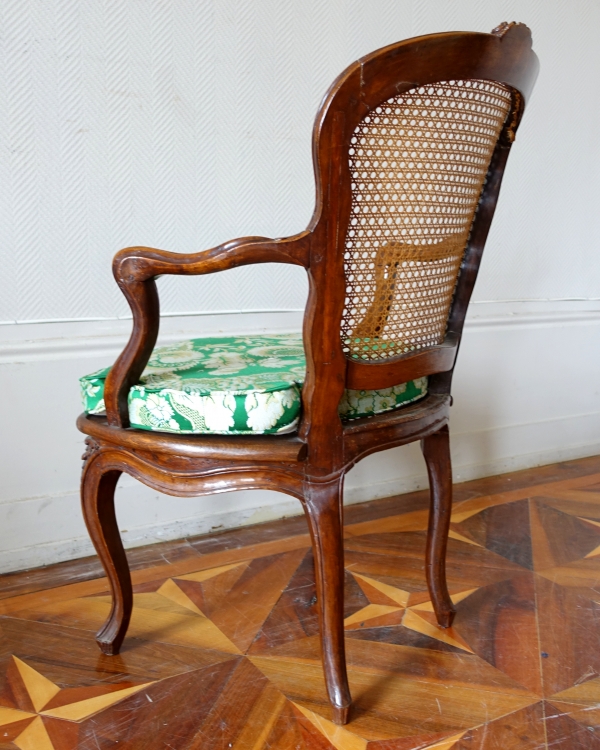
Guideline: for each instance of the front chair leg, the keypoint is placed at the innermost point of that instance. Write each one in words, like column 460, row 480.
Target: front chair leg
column 436, row 450
column 322, row 507
column 97, row 499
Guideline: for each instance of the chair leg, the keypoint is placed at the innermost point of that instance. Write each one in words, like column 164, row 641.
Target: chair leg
column 97, row 499
column 436, row 450
column 322, row 507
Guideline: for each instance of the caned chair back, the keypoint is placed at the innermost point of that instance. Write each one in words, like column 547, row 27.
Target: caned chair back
column 409, row 149
column 417, row 165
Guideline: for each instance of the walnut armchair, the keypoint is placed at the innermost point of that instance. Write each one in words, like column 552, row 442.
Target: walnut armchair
column 410, row 145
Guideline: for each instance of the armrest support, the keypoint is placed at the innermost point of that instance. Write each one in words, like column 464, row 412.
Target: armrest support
column 127, row 370
column 135, row 270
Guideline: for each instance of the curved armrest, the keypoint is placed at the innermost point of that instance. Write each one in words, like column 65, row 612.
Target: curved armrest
column 135, row 270
column 142, row 263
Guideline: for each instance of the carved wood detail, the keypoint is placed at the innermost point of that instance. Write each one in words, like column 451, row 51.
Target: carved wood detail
column 91, row 446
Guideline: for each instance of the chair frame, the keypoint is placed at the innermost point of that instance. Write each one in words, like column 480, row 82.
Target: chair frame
column 310, row 464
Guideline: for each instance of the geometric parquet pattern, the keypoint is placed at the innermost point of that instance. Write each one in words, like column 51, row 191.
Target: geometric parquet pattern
column 223, row 648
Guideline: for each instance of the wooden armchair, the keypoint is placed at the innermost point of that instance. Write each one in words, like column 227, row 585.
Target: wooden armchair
column 410, row 145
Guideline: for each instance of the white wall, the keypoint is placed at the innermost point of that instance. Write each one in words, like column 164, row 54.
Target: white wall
column 184, row 123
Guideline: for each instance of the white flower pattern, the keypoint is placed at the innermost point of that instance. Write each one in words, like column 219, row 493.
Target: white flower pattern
column 233, row 385
column 159, row 407
column 265, row 409
column 214, row 412
column 226, row 362
column 179, row 356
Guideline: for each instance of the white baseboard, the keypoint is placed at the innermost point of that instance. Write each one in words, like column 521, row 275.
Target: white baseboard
column 203, row 515
column 526, row 394
column 54, row 341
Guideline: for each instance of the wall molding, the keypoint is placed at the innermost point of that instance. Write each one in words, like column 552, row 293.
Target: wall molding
column 257, row 506
column 56, row 340
column 514, row 409
column 533, row 320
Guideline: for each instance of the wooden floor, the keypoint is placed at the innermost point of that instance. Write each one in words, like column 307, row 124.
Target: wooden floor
column 223, row 651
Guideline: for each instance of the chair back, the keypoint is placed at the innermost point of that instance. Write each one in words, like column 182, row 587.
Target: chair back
column 417, row 165
column 409, row 148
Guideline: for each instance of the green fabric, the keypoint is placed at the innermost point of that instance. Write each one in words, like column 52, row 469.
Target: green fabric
column 233, row 385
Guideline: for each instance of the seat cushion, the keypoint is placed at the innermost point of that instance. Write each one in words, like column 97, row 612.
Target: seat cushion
column 233, row 385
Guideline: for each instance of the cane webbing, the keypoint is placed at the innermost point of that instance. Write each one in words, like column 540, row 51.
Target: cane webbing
column 418, row 163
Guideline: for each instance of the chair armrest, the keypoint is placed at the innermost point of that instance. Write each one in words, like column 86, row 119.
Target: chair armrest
column 142, row 263
column 135, row 270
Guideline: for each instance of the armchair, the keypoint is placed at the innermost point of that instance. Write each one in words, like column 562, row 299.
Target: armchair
column 410, row 145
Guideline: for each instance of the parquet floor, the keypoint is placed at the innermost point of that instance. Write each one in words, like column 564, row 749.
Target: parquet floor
column 223, row 650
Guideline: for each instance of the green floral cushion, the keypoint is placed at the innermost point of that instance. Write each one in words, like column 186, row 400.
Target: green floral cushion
column 233, row 385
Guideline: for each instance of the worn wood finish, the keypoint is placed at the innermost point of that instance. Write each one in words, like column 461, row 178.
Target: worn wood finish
column 436, row 451
column 323, row 506
column 98, row 502
column 390, row 372
column 223, row 648
column 311, row 464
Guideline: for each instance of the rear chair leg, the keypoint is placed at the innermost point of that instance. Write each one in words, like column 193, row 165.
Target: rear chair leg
column 97, row 499
column 436, row 450
column 322, row 507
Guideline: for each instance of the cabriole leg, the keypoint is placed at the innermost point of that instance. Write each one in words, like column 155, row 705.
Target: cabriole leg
column 436, row 450
column 322, row 507
column 97, row 499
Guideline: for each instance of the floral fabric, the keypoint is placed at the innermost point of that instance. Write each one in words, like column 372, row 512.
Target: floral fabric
column 232, row 385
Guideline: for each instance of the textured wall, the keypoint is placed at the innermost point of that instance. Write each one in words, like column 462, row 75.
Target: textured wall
column 183, row 123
